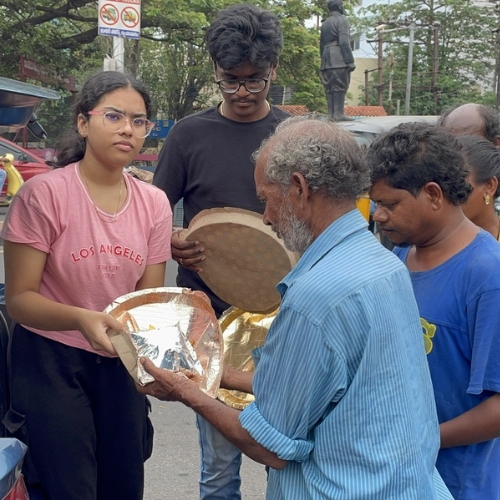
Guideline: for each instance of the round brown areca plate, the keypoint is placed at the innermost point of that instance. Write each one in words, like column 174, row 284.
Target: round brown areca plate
column 245, row 260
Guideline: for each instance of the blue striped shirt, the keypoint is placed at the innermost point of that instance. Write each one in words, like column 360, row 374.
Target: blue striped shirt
column 342, row 387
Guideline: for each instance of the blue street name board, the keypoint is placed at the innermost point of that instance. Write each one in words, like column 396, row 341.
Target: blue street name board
column 118, row 32
column 161, row 129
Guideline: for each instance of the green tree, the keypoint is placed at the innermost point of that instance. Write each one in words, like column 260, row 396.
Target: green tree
column 170, row 56
column 178, row 67
column 173, row 61
column 466, row 51
column 300, row 61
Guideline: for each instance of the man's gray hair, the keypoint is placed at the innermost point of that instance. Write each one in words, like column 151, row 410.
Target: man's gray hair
column 327, row 155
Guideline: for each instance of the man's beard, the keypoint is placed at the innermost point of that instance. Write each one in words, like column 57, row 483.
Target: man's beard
column 294, row 232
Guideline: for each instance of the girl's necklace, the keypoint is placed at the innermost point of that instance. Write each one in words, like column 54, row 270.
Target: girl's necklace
column 221, row 108
column 101, row 216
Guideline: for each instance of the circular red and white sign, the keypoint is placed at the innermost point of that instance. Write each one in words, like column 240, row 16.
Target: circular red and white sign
column 130, row 17
column 108, row 14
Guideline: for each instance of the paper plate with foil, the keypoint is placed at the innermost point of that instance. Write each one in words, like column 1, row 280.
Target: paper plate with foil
column 242, row 332
column 245, row 259
column 174, row 327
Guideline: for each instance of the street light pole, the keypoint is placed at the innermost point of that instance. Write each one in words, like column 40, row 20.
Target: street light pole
column 435, row 66
column 380, row 66
column 410, row 67
column 496, row 79
column 497, row 69
column 367, row 92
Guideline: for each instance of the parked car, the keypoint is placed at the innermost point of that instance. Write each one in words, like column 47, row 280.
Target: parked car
column 25, row 162
column 367, row 129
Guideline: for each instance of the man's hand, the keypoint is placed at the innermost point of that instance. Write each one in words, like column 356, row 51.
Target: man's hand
column 175, row 386
column 187, row 253
column 479, row 424
column 168, row 385
column 351, row 66
column 236, row 380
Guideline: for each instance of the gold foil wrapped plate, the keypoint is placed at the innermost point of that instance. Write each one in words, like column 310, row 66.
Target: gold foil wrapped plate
column 242, row 332
column 245, row 260
column 174, row 327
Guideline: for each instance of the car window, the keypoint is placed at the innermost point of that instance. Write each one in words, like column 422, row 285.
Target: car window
column 18, row 154
column 364, row 138
column 367, row 129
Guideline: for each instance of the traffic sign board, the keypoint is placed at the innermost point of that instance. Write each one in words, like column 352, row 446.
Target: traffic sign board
column 120, row 18
column 108, row 14
column 130, row 17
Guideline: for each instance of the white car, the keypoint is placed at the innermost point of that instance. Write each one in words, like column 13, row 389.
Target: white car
column 367, row 129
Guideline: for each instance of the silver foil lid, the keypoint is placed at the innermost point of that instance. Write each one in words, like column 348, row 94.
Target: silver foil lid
column 174, row 327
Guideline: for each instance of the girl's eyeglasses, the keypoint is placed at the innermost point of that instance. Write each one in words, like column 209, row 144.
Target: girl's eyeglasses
column 116, row 121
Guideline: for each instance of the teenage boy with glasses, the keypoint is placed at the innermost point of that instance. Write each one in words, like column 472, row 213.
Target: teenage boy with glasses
column 206, row 160
column 253, row 85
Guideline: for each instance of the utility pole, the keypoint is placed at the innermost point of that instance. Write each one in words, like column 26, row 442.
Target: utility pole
column 367, row 93
column 497, row 69
column 412, row 26
column 435, row 67
column 116, row 61
column 410, row 67
column 391, row 77
column 119, row 52
column 367, row 86
column 380, row 65
column 496, row 79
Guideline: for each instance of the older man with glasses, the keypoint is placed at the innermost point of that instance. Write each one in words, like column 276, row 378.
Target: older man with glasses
column 206, row 161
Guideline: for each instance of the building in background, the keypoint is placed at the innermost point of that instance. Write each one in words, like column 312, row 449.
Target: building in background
column 365, row 57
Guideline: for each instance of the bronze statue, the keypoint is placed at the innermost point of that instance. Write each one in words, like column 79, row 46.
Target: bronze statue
column 337, row 61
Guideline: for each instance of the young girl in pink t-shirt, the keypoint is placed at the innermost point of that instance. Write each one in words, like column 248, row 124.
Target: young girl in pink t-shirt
column 75, row 239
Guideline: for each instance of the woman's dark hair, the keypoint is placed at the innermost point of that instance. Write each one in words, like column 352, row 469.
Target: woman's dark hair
column 413, row 154
column 244, row 33
column 71, row 146
column 483, row 159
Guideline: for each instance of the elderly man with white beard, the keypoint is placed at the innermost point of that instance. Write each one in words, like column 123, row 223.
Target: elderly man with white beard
column 343, row 406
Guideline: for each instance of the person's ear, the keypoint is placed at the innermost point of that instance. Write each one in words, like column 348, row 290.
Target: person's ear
column 81, row 125
column 491, row 186
column 299, row 189
column 434, row 193
column 274, row 71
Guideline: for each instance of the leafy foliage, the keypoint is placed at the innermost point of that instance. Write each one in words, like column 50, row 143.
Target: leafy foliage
column 170, row 56
column 466, row 56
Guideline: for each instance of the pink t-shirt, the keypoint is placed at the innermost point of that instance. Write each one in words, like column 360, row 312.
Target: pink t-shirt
column 90, row 262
